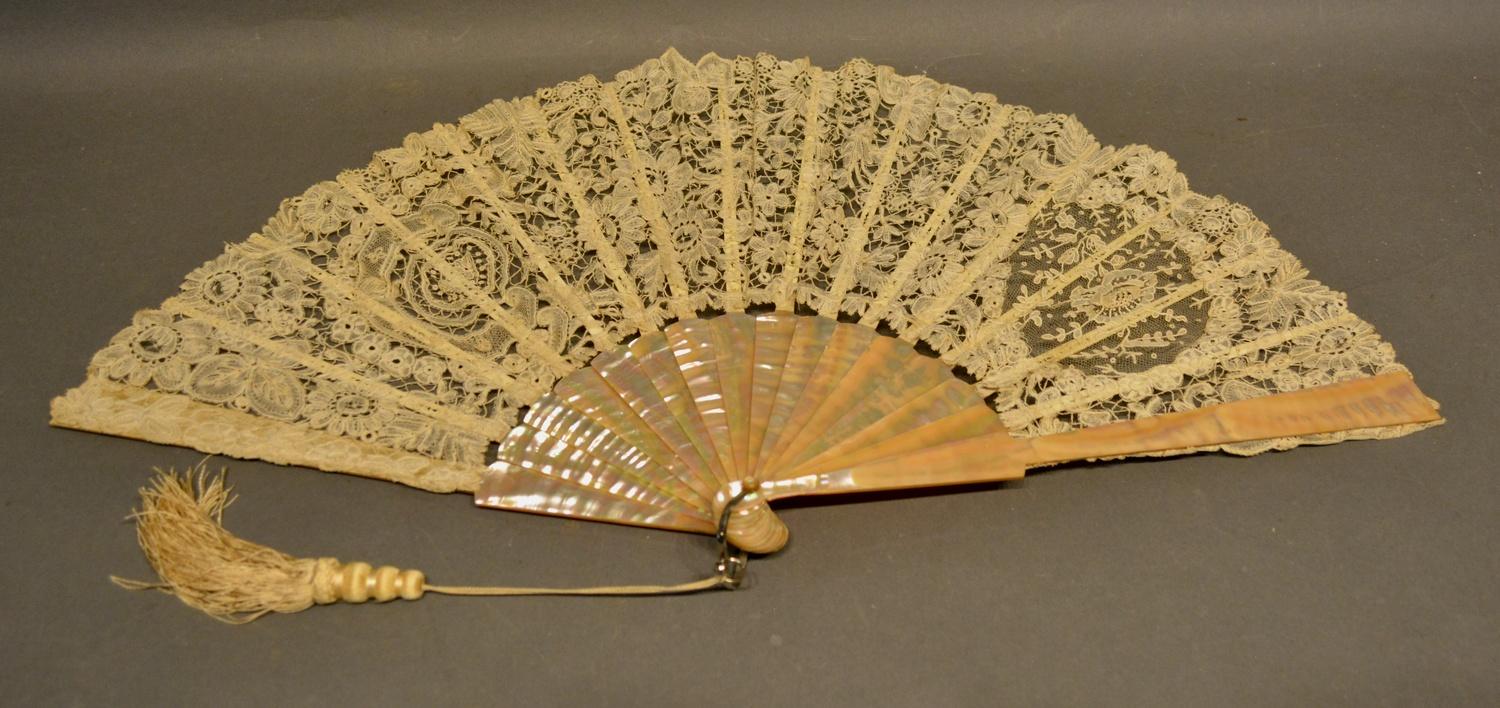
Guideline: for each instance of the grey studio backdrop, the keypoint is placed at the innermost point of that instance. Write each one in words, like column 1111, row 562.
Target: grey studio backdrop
column 137, row 140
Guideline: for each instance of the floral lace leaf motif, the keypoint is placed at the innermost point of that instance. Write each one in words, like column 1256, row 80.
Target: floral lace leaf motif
column 394, row 320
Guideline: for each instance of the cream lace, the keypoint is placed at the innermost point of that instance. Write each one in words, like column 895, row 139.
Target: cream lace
column 392, row 321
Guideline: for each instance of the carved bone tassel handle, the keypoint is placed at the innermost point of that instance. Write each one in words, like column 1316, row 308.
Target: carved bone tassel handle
column 359, row 582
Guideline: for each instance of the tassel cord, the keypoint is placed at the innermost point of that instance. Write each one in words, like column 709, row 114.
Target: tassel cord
column 180, row 531
column 709, row 583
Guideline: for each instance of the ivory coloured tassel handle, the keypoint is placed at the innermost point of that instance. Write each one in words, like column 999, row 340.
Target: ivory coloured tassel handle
column 360, row 582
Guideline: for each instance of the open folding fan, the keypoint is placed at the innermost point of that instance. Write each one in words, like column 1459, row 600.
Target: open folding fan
column 668, row 299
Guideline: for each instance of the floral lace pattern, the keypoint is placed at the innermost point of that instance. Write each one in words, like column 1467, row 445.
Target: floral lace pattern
column 406, row 310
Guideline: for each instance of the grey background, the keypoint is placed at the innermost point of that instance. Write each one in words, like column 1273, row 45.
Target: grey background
column 137, row 140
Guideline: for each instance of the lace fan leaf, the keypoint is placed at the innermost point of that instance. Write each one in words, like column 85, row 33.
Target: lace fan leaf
column 394, row 321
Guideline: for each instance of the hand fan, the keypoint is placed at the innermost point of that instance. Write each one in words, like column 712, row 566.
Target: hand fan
column 669, row 298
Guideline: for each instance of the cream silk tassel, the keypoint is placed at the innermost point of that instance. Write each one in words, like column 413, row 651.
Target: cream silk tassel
column 180, row 529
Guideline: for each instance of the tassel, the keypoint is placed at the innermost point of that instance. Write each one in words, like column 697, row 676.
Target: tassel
column 180, row 529
column 179, row 526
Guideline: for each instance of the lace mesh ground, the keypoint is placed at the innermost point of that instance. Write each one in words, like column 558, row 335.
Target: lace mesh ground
column 417, row 303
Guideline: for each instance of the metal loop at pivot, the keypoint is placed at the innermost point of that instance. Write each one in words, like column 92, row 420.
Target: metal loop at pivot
column 732, row 560
column 731, row 568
